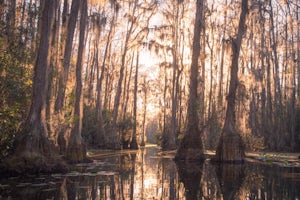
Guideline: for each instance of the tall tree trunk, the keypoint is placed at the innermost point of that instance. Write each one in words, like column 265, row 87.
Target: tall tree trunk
column 101, row 138
column 52, row 69
column 164, row 104
column 127, row 85
column 33, row 25
column 2, row 11
column 270, row 114
column 220, row 93
column 169, row 136
column 11, row 21
column 179, row 90
column 63, row 19
column 293, row 65
column 202, row 76
column 33, row 152
column 211, row 70
column 191, row 147
column 133, row 143
column 231, row 146
column 22, row 24
column 264, row 122
column 63, row 78
column 39, row 7
column 94, row 68
column 76, row 150
column 107, row 93
column 298, row 50
column 278, row 108
column 145, row 89
column 67, row 36
column 114, row 139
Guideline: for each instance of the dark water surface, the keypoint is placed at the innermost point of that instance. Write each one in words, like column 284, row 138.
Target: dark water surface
column 144, row 174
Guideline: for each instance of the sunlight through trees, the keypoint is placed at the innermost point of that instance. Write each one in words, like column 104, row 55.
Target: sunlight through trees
column 87, row 74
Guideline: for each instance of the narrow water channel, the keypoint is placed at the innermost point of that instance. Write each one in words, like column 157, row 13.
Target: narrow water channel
column 147, row 174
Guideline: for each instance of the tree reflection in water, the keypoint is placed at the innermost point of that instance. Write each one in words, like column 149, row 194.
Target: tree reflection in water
column 190, row 174
column 145, row 174
column 230, row 178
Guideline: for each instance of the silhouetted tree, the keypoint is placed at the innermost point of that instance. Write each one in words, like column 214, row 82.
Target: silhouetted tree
column 191, row 147
column 231, row 146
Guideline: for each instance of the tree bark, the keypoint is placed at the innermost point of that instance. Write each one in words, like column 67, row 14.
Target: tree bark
column 67, row 35
column 298, row 50
column 101, row 137
column 145, row 90
column 191, row 147
column 54, row 59
column 133, row 143
column 292, row 100
column 114, row 139
column 220, row 93
column 231, row 146
column 33, row 152
column 202, row 75
column 278, row 107
column 211, row 47
column 63, row 78
column 169, row 136
column 76, row 150
column 11, row 21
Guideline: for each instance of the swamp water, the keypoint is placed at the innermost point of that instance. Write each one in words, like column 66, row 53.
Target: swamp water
column 148, row 174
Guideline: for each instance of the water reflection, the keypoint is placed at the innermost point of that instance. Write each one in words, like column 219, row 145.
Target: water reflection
column 190, row 174
column 143, row 174
column 231, row 177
